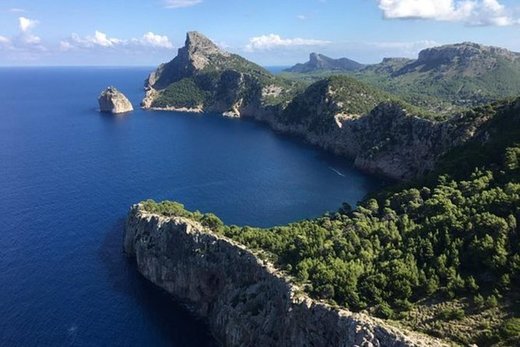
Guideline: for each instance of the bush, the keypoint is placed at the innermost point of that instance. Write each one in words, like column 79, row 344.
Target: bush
column 384, row 311
column 451, row 314
column 511, row 328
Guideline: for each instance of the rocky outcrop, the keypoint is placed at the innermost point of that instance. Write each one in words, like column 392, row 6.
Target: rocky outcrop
column 113, row 101
column 320, row 62
column 245, row 300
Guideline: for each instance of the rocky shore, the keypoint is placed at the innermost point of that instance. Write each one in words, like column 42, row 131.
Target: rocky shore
column 245, row 300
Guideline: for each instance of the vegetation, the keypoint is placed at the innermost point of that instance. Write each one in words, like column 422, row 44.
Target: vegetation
column 435, row 253
column 184, row 93
column 443, row 86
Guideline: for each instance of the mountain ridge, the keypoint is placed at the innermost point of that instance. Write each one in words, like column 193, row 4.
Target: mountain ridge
column 320, row 62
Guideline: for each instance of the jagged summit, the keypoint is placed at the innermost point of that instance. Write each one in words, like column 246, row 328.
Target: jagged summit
column 198, row 53
column 199, row 49
column 320, row 62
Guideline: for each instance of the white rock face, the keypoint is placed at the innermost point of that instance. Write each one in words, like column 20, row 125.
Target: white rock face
column 113, row 101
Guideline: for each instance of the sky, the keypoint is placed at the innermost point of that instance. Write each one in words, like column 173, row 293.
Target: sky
column 268, row 32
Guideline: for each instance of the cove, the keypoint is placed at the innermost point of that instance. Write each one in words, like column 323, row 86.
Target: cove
column 68, row 176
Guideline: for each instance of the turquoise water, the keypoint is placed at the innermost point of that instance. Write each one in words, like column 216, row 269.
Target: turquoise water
column 69, row 174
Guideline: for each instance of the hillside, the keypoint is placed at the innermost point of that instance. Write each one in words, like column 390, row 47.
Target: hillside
column 463, row 74
column 320, row 62
column 442, row 79
column 204, row 77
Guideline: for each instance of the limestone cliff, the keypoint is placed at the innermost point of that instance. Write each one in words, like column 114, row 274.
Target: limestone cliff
column 380, row 134
column 113, row 101
column 245, row 300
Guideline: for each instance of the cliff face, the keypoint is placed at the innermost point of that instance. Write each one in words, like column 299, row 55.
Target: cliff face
column 245, row 300
column 349, row 119
column 113, row 101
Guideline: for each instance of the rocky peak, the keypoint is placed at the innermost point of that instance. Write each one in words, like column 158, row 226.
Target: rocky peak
column 199, row 50
column 113, row 101
column 314, row 58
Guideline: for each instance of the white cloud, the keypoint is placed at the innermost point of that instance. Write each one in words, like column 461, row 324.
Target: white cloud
column 26, row 24
column 181, row 3
column 16, row 10
column 154, row 40
column 471, row 12
column 268, row 42
column 301, row 17
column 103, row 41
column 31, row 39
column 4, row 40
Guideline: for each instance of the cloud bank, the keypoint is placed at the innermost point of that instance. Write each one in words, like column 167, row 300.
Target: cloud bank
column 101, row 40
column 271, row 41
column 471, row 12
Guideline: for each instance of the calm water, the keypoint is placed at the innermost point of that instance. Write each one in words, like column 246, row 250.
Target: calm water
column 68, row 176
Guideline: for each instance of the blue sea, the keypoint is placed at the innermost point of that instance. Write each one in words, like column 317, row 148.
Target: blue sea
column 69, row 174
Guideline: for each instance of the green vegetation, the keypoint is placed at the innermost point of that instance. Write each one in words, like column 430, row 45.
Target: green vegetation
column 184, row 93
column 452, row 239
column 321, row 101
column 474, row 75
column 225, row 81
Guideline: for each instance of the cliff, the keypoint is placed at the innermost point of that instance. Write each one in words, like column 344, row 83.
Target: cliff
column 245, row 300
column 379, row 132
column 113, row 101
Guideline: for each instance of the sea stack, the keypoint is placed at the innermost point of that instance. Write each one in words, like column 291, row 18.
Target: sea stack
column 113, row 101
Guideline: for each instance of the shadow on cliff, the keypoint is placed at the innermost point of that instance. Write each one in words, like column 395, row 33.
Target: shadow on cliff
column 175, row 323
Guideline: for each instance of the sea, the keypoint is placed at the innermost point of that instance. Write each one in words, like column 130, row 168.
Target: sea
column 69, row 174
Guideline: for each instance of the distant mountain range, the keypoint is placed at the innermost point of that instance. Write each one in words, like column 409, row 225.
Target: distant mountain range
column 320, row 62
column 462, row 74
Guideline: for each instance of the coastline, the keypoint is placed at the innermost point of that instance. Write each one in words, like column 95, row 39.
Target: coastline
column 244, row 297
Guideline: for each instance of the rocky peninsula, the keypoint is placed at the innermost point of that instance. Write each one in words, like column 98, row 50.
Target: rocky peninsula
column 244, row 299
column 113, row 101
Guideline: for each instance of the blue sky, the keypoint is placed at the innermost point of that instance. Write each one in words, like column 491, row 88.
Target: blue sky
column 269, row 32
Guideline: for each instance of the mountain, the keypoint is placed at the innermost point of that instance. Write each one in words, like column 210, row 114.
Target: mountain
column 204, row 77
column 462, row 74
column 320, row 62
column 443, row 79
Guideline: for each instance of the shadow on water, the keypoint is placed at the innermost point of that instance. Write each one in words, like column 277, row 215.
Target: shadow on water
column 174, row 322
